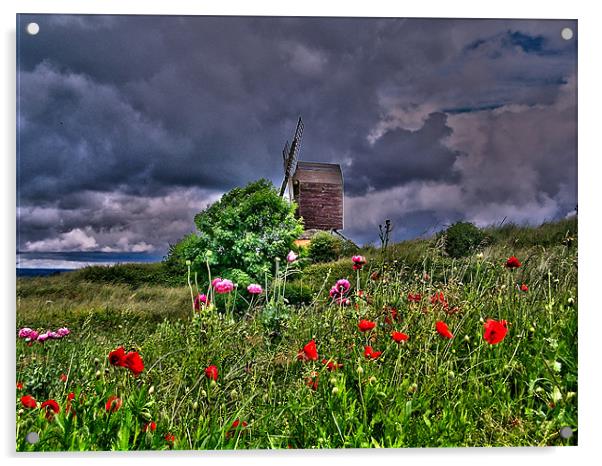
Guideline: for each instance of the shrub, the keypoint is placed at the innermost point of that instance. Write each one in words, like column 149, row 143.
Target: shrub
column 462, row 238
column 246, row 230
column 325, row 247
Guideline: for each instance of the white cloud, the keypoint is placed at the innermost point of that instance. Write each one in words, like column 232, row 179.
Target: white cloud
column 76, row 239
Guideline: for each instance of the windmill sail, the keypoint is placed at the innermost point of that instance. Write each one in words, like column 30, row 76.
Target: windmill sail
column 290, row 156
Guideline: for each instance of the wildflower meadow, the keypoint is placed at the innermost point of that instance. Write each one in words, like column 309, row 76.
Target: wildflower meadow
column 397, row 348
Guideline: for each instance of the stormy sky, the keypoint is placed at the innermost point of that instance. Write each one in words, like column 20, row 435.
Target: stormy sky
column 129, row 125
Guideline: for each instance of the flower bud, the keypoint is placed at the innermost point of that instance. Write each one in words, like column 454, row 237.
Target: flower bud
column 96, row 361
column 203, row 393
column 412, row 388
column 466, row 338
column 360, row 370
column 98, row 374
column 333, row 381
column 213, row 383
column 372, row 379
column 188, row 263
column 481, row 320
column 151, row 390
column 234, row 394
column 335, row 390
column 195, row 405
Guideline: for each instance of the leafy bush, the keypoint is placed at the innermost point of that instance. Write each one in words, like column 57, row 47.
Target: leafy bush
column 462, row 238
column 325, row 247
column 246, row 230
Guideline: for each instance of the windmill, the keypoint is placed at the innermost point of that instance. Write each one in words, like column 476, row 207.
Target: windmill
column 290, row 156
column 316, row 188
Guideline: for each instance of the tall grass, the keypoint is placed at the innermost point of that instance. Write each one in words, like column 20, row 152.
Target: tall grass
column 427, row 392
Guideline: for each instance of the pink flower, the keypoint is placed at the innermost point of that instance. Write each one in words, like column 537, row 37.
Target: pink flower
column 33, row 335
column 63, row 331
column 200, row 299
column 358, row 262
column 215, row 281
column 43, row 337
column 254, row 288
column 291, row 257
column 25, row 332
column 224, row 286
column 342, row 285
column 54, row 335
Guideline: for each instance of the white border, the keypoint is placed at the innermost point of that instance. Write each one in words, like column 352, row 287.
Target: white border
column 590, row 260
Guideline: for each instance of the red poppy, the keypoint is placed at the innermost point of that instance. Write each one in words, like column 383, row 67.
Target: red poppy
column 170, row 438
column 117, row 357
column 71, row 396
column 512, row 263
column 211, row 373
column 113, row 404
column 19, row 385
column 370, row 353
column 28, row 401
column 63, row 378
column 524, row 287
column 414, row 298
column 398, row 337
column 235, row 425
column 443, row 330
column 495, row 331
column 312, row 382
column 366, row 325
column 51, row 407
column 134, row 362
column 331, row 365
column 309, row 352
column 150, row 426
column 389, row 319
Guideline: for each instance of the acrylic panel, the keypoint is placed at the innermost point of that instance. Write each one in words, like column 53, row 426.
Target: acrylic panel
column 295, row 232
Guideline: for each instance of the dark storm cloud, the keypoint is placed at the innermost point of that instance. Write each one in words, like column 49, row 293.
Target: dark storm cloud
column 128, row 125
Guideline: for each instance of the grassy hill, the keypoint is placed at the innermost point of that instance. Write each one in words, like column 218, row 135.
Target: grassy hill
column 427, row 391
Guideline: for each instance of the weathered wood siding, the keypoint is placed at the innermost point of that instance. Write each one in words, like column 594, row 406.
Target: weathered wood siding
column 318, row 189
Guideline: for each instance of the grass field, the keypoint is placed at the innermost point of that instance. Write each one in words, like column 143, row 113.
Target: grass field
column 428, row 391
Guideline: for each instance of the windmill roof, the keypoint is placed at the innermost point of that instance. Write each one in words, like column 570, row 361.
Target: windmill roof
column 317, row 172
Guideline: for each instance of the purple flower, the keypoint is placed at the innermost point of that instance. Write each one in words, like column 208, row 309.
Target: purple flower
column 291, row 257
column 254, row 288
column 343, row 285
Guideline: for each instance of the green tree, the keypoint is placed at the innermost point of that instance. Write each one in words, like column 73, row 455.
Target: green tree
column 245, row 231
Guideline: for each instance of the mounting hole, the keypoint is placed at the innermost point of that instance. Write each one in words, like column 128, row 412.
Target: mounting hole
column 566, row 33
column 32, row 29
column 32, row 437
column 566, row 433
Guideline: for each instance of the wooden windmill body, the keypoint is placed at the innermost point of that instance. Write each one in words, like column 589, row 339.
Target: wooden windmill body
column 316, row 188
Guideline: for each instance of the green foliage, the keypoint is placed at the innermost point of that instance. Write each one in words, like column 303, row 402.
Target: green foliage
column 325, row 247
column 246, row 229
column 427, row 392
column 133, row 275
column 462, row 238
